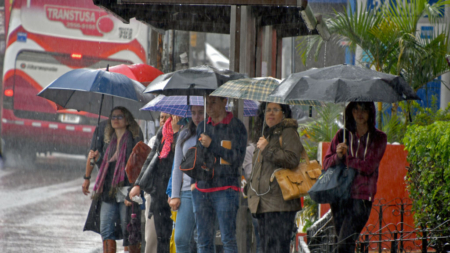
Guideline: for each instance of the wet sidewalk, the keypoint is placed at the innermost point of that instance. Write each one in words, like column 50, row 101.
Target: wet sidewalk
column 43, row 209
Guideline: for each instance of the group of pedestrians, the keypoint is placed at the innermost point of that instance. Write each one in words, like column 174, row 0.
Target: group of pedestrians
column 201, row 204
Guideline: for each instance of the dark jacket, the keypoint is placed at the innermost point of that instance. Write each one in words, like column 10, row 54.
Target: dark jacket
column 225, row 175
column 273, row 157
column 364, row 154
column 155, row 173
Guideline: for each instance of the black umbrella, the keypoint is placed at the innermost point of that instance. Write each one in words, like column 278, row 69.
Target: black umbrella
column 344, row 83
column 195, row 81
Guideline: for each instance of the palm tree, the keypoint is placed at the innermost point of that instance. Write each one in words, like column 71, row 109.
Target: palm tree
column 420, row 60
column 389, row 37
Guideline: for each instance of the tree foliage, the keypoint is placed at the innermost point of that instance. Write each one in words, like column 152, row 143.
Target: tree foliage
column 322, row 128
column 395, row 125
column 390, row 39
column 428, row 177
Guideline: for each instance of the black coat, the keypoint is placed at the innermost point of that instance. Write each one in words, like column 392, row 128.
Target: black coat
column 156, row 172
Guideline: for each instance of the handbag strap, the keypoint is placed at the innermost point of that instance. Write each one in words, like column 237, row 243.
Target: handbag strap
column 303, row 155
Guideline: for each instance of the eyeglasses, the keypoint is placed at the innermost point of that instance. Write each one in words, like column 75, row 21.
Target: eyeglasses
column 119, row 117
column 274, row 110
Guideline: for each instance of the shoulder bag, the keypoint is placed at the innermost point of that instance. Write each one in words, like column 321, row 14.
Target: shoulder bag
column 198, row 163
column 136, row 161
column 333, row 185
column 295, row 183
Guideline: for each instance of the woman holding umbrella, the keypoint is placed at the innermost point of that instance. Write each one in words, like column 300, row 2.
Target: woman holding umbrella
column 111, row 186
column 279, row 147
column 362, row 150
column 181, row 200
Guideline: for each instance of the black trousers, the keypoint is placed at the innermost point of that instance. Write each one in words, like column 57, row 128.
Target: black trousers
column 163, row 224
column 275, row 231
column 349, row 218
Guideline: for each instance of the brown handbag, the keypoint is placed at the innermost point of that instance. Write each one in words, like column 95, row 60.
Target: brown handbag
column 136, row 161
column 295, row 183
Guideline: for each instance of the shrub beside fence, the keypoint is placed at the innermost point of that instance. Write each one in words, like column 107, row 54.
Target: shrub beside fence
column 428, row 178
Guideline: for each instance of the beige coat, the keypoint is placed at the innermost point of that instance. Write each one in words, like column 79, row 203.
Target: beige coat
column 273, row 157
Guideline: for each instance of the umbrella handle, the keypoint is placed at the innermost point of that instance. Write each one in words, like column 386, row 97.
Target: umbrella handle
column 92, row 162
column 344, row 124
column 204, row 113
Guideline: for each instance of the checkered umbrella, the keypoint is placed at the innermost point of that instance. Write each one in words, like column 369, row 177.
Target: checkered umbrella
column 177, row 105
column 257, row 89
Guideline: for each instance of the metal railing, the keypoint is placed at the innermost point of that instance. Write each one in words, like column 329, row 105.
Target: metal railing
column 384, row 237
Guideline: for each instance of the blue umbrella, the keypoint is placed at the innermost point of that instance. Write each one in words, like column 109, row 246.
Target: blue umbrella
column 97, row 91
column 177, row 105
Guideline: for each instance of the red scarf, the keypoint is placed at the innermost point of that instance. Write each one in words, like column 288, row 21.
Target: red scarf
column 167, row 138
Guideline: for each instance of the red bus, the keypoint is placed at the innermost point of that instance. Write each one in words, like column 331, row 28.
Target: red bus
column 45, row 39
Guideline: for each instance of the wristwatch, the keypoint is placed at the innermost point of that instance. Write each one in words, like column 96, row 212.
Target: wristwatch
column 84, row 176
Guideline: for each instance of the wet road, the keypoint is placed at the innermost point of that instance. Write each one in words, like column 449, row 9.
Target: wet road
column 43, row 210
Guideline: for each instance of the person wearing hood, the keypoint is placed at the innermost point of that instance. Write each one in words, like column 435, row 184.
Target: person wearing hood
column 279, row 147
column 362, row 150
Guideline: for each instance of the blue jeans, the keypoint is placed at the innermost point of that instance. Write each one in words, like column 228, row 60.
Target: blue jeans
column 225, row 205
column 109, row 214
column 185, row 224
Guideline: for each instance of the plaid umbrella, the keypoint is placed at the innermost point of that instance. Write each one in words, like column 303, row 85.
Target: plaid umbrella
column 257, row 89
column 177, row 105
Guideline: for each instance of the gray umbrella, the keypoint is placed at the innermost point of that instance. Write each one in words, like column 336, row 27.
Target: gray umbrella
column 195, row 81
column 344, row 83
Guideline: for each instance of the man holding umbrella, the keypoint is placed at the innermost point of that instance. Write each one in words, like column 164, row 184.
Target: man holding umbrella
column 225, row 137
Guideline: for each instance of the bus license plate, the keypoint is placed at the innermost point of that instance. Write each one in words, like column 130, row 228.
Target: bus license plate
column 69, row 118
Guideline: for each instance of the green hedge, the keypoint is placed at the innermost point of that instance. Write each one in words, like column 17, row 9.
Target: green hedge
column 428, row 176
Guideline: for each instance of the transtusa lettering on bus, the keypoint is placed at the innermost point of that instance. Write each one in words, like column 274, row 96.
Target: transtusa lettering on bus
column 69, row 14
column 90, row 22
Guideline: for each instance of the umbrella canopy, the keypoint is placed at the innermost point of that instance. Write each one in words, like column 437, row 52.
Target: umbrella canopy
column 195, row 81
column 177, row 105
column 344, row 83
column 97, row 91
column 140, row 72
column 257, row 89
